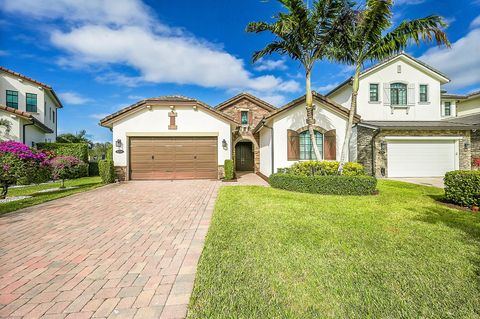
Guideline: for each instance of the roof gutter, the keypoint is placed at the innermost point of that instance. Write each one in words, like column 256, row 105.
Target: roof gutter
column 273, row 145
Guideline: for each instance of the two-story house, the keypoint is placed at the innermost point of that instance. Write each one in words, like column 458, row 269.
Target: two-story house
column 406, row 128
column 402, row 128
column 28, row 109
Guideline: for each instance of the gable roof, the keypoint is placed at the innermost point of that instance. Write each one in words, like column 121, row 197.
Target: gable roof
column 26, row 116
column 469, row 96
column 176, row 99
column 248, row 96
column 416, row 61
column 334, row 105
column 43, row 85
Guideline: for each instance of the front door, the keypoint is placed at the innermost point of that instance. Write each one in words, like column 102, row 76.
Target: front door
column 244, row 156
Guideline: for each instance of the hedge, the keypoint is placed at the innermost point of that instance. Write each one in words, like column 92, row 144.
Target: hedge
column 78, row 150
column 463, row 187
column 228, row 168
column 93, row 169
column 327, row 185
column 107, row 171
column 315, row 168
column 109, row 153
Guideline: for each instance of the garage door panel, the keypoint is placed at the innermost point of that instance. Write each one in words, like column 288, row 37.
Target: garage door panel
column 420, row 158
column 174, row 158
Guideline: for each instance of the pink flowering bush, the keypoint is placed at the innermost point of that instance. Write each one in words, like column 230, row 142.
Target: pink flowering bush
column 476, row 163
column 64, row 167
column 18, row 161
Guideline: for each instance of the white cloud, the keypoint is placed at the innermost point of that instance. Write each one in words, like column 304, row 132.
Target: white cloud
column 125, row 32
column 327, row 88
column 73, row 98
column 269, row 65
column 475, row 23
column 135, row 97
column 460, row 63
column 98, row 116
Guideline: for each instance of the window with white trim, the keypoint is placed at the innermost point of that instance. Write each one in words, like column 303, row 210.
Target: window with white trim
column 373, row 92
column 447, row 108
column 423, row 89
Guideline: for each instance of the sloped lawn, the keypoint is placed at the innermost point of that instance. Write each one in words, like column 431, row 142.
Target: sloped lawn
column 81, row 184
column 277, row 254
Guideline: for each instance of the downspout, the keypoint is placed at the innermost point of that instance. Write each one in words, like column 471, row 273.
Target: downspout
column 273, row 151
column 24, row 131
column 377, row 131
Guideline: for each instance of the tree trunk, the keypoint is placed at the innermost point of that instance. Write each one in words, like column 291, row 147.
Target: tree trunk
column 310, row 119
column 63, row 183
column 3, row 194
column 351, row 115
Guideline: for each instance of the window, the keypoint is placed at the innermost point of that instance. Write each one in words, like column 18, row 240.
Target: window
column 53, row 116
column 373, row 92
column 244, row 117
column 423, row 93
column 31, row 102
column 398, row 94
column 306, row 149
column 448, row 108
column 12, row 99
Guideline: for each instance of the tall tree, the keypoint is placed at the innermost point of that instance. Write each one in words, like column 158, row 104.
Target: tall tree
column 304, row 34
column 80, row 137
column 363, row 35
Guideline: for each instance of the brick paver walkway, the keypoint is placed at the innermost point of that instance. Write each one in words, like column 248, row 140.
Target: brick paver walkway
column 123, row 251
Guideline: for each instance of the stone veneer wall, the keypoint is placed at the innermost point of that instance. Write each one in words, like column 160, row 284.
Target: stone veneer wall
column 257, row 112
column 475, row 146
column 364, row 139
column 121, row 173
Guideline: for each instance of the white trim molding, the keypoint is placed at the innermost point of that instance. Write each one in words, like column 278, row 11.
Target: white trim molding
column 423, row 138
column 171, row 134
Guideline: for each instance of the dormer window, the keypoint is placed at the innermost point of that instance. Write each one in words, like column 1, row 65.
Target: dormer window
column 398, row 94
column 244, row 118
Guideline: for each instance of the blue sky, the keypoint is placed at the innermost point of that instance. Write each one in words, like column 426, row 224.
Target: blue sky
column 102, row 55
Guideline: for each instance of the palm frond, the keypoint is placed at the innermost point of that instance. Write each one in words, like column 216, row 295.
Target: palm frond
column 428, row 29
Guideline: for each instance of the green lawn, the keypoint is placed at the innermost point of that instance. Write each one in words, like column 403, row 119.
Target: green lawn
column 83, row 184
column 276, row 254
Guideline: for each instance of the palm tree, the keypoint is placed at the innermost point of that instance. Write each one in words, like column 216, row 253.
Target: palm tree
column 362, row 36
column 304, row 35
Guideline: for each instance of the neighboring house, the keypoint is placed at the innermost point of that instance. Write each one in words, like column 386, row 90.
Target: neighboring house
column 407, row 127
column 401, row 130
column 29, row 106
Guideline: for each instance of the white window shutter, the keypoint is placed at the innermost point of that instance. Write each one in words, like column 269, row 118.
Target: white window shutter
column 386, row 94
column 411, row 94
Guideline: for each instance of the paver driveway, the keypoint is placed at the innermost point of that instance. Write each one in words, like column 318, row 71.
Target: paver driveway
column 122, row 251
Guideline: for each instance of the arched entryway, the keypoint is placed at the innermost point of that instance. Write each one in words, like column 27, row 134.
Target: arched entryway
column 244, row 156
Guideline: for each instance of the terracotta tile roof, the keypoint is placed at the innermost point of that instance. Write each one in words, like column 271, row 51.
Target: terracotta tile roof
column 45, row 86
column 166, row 98
column 318, row 96
column 26, row 116
column 262, row 103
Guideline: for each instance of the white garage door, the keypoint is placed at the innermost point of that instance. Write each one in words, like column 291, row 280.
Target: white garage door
column 420, row 158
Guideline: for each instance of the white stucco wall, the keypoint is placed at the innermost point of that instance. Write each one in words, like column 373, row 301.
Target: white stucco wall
column 469, row 107
column 14, row 133
column 294, row 119
column 33, row 134
column 266, row 151
column 155, row 122
column 388, row 74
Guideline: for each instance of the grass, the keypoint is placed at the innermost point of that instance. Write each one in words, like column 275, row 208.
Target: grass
column 277, row 254
column 84, row 184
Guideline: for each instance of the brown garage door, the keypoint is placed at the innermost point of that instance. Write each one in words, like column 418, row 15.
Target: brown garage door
column 173, row 157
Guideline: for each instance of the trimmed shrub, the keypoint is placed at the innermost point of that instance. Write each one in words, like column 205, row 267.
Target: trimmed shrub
column 327, row 185
column 78, row 150
column 107, row 171
column 463, row 187
column 228, row 168
column 109, row 153
column 93, row 169
column 315, row 168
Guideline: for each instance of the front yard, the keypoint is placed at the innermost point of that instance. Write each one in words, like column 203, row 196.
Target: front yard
column 80, row 184
column 278, row 254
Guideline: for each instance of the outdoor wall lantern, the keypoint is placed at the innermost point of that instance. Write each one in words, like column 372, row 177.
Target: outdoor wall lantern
column 224, row 144
column 466, row 145
column 119, row 146
column 194, row 107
